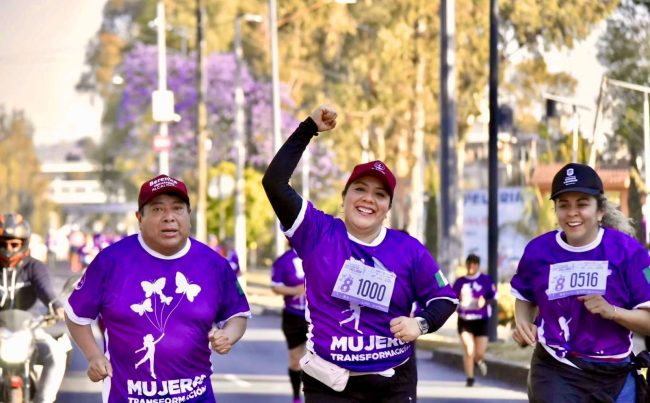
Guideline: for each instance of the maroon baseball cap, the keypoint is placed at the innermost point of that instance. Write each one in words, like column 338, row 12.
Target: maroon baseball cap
column 162, row 184
column 377, row 169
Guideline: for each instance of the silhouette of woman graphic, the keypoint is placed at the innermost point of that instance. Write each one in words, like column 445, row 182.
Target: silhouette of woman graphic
column 150, row 345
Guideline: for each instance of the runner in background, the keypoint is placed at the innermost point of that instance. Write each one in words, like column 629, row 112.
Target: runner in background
column 474, row 292
column 288, row 280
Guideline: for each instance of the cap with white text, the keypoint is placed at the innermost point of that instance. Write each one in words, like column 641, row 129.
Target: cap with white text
column 574, row 177
column 162, row 184
column 377, row 169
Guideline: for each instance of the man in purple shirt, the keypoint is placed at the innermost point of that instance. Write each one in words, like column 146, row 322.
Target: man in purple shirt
column 361, row 281
column 159, row 293
column 474, row 291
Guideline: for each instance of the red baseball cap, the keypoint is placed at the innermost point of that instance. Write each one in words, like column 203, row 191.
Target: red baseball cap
column 162, row 184
column 377, row 169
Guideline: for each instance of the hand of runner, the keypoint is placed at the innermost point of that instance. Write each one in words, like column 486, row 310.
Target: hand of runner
column 405, row 328
column 324, row 117
column 596, row 304
column 525, row 334
column 99, row 368
column 219, row 341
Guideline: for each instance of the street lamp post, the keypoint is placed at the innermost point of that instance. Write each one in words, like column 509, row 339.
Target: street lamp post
column 275, row 93
column 201, row 123
column 240, row 146
column 448, row 225
column 162, row 99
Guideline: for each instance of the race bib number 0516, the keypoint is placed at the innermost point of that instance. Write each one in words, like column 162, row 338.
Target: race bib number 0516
column 365, row 285
column 577, row 278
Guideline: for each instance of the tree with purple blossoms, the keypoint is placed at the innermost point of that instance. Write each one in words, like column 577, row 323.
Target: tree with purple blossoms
column 133, row 116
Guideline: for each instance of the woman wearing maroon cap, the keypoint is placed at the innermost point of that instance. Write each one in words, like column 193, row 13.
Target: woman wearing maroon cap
column 361, row 281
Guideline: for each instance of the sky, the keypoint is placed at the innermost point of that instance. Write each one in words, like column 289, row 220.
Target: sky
column 42, row 48
column 42, row 51
column 582, row 64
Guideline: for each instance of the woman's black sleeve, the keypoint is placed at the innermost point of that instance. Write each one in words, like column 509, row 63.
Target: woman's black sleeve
column 286, row 202
column 437, row 313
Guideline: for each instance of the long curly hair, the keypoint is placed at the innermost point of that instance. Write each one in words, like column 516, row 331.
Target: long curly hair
column 613, row 217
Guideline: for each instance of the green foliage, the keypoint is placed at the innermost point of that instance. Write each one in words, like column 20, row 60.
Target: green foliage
column 546, row 218
column 23, row 188
column 624, row 50
column 221, row 210
column 506, row 304
column 366, row 59
column 552, row 22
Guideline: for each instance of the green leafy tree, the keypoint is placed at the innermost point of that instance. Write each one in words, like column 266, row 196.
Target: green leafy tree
column 364, row 58
column 23, row 189
column 377, row 62
column 624, row 50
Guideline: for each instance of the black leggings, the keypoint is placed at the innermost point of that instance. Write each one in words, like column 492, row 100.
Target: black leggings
column 399, row 388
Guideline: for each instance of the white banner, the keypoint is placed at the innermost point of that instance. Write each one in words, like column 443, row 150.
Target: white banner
column 512, row 202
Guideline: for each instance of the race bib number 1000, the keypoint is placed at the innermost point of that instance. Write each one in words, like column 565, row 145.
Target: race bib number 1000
column 577, row 278
column 365, row 285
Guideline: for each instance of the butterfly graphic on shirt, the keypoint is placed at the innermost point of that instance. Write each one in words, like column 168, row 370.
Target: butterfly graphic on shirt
column 156, row 287
column 145, row 306
column 185, row 287
column 158, row 314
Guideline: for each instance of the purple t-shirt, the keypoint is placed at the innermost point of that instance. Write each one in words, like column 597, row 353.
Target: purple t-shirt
column 564, row 324
column 469, row 290
column 352, row 335
column 158, row 311
column 233, row 261
column 287, row 271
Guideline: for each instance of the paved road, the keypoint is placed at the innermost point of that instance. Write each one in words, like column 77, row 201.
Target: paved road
column 256, row 372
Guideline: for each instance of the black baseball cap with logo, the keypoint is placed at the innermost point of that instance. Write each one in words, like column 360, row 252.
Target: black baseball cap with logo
column 576, row 177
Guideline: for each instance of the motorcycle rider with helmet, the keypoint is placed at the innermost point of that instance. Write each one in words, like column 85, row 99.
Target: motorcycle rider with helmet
column 25, row 279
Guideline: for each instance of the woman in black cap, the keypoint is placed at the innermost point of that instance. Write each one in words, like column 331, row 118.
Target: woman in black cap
column 581, row 291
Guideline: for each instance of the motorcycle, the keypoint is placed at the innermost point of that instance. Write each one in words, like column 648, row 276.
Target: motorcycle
column 20, row 374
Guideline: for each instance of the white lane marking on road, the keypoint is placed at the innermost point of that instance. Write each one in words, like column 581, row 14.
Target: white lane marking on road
column 237, row 380
column 263, row 335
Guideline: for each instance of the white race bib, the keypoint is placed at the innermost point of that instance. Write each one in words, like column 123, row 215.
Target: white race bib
column 578, row 277
column 365, row 285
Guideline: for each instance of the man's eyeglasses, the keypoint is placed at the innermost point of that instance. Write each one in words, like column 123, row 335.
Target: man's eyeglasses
column 11, row 244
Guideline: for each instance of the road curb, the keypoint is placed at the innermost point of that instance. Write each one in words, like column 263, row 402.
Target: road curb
column 513, row 373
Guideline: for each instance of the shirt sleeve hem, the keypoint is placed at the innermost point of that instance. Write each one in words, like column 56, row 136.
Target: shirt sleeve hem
column 301, row 216
column 453, row 300
column 246, row 315
column 518, row 295
column 75, row 318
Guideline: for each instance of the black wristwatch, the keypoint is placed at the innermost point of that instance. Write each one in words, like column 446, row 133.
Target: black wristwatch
column 423, row 325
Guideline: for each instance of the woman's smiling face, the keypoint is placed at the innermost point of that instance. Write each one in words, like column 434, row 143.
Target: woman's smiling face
column 365, row 206
column 578, row 216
